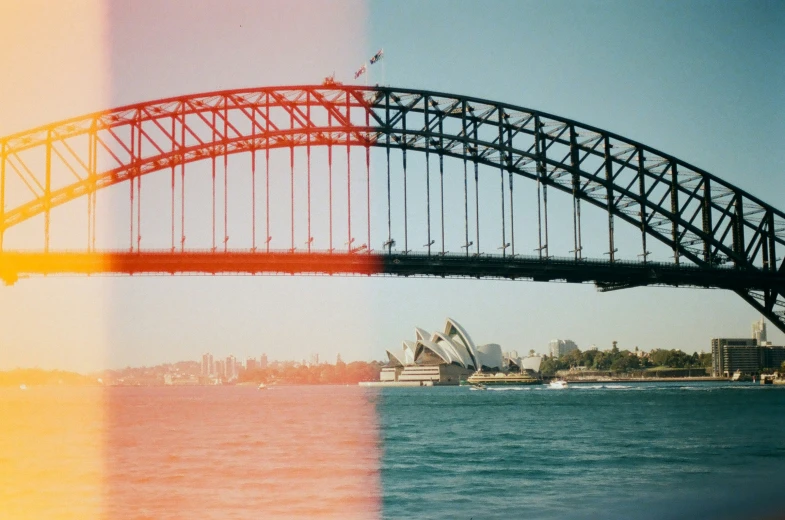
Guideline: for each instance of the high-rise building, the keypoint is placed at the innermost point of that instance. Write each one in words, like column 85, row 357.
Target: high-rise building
column 314, row 360
column 759, row 331
column 251, row 364
column 219, row 369
column 338, row 359
column 231, row 368
column 208, row 367
column 263, row 361
column 560, row 347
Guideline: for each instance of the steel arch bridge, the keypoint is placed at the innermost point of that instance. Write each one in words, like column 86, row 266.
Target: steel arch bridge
column 716, row 234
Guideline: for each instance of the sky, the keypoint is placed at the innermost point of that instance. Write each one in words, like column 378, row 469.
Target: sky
column 702, row 81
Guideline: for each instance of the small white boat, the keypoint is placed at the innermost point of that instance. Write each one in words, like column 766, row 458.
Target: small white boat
column 23, row 387
column 559, row 383
column 261, row 386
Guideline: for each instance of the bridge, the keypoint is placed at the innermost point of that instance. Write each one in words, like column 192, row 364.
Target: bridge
column 337, row 179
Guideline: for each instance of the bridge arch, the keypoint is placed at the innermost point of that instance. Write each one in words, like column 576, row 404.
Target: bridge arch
column 704, row 220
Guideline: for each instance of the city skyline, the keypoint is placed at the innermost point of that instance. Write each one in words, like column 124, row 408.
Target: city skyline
column 554, row 348
column 704, row 84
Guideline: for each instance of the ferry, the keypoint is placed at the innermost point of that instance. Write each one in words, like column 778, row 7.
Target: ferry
column 558, row 384
column 481, row 379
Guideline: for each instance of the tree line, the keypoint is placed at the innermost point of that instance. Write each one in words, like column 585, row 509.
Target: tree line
column 616, row 360
column 322, row 374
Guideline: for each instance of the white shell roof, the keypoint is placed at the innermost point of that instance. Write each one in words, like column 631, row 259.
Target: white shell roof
column 422, row 345
column 532, row 363
column 454, row 345
column 490, row 355
column 513, row 361
column 421, row 333
column 408, row 352
column 396, row 358
column 454, row 329
column 457, row 350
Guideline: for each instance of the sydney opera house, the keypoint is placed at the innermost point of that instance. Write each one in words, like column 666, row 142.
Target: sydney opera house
column 448, row 356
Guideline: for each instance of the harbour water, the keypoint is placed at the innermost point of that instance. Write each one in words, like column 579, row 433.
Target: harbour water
column 648, row 451
column 663, row 450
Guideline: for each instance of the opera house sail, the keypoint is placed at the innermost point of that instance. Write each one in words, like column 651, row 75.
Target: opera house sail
column 444, row 357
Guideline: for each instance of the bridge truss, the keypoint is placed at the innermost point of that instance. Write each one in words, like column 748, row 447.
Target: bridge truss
column 345, row 193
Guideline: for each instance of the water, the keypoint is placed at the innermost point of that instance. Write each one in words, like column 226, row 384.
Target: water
column 591, row 451
column 676, row 450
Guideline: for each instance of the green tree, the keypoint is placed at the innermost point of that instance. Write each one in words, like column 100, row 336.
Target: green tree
column 572, row 358
column 550, row 365
column 625, row 362
column 587, row 359
column 602, row 361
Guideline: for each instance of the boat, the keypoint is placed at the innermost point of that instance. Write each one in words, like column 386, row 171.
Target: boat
column 739, row 376
column 558, row 383
column 501, row 379
column 261, row 386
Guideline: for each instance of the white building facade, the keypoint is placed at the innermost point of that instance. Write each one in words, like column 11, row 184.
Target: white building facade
column 559, row 347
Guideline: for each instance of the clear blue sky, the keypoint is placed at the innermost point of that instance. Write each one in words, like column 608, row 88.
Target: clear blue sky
column 703, row 81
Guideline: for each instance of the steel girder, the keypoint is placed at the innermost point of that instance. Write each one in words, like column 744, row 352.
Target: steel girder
column 703, row 219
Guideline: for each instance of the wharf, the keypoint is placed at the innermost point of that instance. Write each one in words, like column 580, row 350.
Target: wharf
column 648, row 380
column 377, row 384
column 395, row 383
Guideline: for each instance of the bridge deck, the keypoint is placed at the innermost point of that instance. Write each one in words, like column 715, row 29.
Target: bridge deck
column 608, row 275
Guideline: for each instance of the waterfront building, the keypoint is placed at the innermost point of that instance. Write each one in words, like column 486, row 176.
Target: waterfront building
column 772, row 357
column 441, row 357
column 745, row 355
column 219, row 369
column 263, row 361
column 560, row 347
column 251, row 364
column 731, row 354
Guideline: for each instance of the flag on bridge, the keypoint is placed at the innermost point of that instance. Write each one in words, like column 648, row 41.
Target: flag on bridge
column 360, row 72
column 376, row 57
